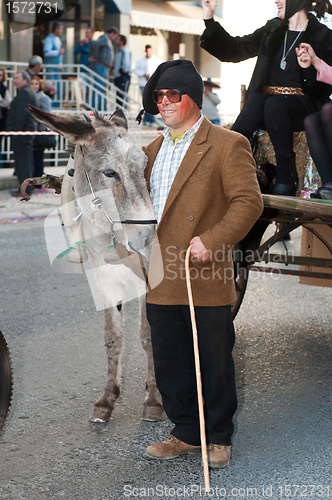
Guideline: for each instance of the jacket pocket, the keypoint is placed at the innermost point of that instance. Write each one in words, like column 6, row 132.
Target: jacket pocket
column 203, row 177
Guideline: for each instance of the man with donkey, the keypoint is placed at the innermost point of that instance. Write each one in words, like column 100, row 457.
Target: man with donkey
column 205, row 195
column 204, row 191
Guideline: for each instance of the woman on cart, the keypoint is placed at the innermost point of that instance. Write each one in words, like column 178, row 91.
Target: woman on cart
column 281, row 93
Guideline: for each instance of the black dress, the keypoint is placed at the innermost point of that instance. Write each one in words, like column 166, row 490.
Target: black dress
column 279, row 114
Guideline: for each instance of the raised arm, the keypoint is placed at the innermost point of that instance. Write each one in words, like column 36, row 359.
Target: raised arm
column 225, row 47
column 209, row 8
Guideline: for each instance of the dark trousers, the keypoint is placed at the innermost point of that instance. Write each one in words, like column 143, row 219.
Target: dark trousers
column 280, row 115
column 22, row 149
column 122, row 82
column 101, row 70
column 147, row 118
column 173, row 352
column 38, row 161
column 318, row 127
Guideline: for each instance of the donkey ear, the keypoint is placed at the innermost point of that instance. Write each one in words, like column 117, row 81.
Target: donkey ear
column 119, row 119
column 72, row 129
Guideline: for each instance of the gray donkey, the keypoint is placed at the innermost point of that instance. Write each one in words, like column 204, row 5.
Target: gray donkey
column 116, row 221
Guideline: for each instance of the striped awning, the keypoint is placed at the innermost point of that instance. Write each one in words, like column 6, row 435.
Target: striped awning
column 168, row 16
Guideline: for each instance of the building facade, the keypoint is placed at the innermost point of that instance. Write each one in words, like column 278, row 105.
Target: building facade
column 172, row 28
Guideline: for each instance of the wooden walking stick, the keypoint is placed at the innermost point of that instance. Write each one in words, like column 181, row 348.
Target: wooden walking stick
column 198, row 376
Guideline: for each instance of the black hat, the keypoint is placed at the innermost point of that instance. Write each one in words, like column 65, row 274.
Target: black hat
column 179, row 74
column 210, row 83
column 294, row 6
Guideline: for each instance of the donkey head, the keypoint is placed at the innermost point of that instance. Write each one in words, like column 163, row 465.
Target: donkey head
column 109, row 176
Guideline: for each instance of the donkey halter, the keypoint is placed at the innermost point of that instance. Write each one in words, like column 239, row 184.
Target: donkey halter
column 96, row 205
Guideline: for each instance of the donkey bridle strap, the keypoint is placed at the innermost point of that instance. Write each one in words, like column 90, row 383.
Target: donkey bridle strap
column 151, row 221
column 97, row 203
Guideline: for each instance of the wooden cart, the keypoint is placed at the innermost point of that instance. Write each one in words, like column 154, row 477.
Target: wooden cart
column 287, row 213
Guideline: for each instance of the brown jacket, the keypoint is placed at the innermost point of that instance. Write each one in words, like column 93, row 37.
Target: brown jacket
column 215, row 195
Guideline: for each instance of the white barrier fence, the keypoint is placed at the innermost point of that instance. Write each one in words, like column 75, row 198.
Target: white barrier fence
column 53, row 157
column 79, row 91
column 58, row 156
column 79, row 88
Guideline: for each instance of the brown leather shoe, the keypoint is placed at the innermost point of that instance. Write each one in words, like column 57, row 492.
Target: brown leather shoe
column 219, row 456
column 17, row 194
column 170, row 448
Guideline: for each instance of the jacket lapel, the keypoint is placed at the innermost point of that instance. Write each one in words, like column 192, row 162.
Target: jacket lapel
column 151, row 152
column 194, row 155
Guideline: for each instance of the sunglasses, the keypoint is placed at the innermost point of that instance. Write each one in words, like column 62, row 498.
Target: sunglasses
column 172, row 95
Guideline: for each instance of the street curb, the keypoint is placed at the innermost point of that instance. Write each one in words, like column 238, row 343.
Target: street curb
column 8, row 182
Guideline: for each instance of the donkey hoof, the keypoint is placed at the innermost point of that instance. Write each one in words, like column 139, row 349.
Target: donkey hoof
column 152, row 413
column 77, row 256
column 100, row 415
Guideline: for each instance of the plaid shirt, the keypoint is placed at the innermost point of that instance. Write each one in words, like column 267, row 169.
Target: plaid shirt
column 166, row 165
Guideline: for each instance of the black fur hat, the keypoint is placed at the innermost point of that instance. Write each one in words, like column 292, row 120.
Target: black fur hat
column 180, row 74
column 294, row 6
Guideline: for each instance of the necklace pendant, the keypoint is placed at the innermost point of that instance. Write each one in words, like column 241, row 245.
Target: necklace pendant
column 283, row 64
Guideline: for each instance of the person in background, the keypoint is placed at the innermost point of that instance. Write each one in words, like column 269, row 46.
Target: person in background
column 5, row 98
column 145, row 66
column 38, row 149
column 281, row 93
column 5, row 101
column 19, row 119
column 53, row 54
column 210, row 102
column 83, row 48
column 35, row 65
column 204, row 192
column 122, row 65
column 101, row 58
column 318, row 126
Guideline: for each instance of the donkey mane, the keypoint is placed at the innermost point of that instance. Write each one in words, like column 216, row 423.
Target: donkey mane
column 101, row 119
column 98, row 117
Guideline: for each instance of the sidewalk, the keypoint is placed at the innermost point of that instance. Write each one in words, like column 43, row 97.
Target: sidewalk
column 9, row 181
column 39, row 206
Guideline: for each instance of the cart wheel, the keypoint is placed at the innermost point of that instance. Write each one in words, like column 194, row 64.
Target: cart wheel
column 6, row 380
column 240, row 287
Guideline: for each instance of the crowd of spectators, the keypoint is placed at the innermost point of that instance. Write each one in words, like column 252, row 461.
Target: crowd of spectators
column 107, row 56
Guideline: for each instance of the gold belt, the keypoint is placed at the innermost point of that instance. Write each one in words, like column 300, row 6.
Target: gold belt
column 282, row 90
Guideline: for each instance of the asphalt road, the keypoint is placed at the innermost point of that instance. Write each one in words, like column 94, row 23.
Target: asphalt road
column 50, row 450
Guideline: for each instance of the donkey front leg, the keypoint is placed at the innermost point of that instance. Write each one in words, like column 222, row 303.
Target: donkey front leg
column 114, row 347
column 69, row 213
column 153, row 408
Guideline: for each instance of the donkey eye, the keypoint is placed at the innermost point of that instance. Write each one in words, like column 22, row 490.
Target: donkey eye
column 112, row 174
